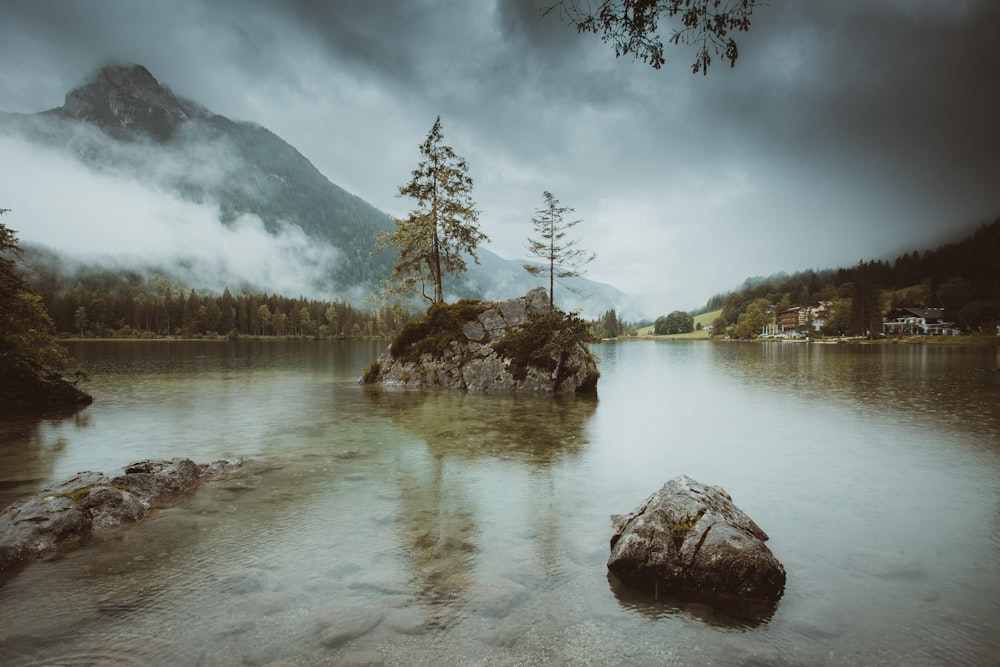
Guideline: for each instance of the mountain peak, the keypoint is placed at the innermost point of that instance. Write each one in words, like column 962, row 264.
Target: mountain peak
column 127, row 100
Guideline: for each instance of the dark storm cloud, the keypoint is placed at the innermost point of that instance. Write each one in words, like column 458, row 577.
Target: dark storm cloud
column 847, row 130
column 908, row 87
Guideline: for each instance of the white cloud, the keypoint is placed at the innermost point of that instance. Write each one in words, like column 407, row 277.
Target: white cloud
column 111, row 218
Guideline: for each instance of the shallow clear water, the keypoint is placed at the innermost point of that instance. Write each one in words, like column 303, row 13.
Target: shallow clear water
column 446, row 528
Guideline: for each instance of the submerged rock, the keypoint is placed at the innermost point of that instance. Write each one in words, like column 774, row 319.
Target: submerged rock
column 62, row 515
column 690, row 539
column 518, row 345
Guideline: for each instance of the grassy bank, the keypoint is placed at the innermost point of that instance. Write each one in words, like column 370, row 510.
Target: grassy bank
column 704, row 319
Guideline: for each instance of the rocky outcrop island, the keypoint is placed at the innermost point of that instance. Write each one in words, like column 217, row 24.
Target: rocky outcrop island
column 520, row 345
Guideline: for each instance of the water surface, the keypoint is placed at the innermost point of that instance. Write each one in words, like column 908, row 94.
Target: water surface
column 447, row 528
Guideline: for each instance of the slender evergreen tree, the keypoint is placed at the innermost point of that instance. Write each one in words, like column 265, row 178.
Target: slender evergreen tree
column 441, row 229
column 561, row 257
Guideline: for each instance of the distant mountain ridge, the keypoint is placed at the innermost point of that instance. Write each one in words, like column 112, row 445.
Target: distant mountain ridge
column 127, row 102
column 121, row 119
column 259, row 173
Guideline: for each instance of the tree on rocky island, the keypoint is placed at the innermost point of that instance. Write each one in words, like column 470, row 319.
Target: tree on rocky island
column 561, row 256
column 442, row 228
column 31, row 360
column 632, row 26
column 522, row 344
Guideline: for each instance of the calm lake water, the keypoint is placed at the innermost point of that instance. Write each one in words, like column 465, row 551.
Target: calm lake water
column 430, row 528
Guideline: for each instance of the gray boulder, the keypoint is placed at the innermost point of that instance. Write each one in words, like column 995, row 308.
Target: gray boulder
column 63, row 515
column 689, row 539
column 475, row 358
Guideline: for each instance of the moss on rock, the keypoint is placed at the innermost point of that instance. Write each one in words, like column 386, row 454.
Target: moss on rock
column 519, row 344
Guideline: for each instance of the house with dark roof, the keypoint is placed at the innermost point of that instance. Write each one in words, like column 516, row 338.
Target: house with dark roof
column 915, row 320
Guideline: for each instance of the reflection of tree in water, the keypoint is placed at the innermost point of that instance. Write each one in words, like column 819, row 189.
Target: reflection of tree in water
column 437, row 522
column 27, row 457
column 438, row 531
column 534, row 429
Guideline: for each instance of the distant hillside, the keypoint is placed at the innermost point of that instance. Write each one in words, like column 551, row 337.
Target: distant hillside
column 123, row 123
column 961, row 277
column 177, row 145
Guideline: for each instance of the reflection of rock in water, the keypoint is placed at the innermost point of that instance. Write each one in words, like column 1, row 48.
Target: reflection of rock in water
column 437, row 523
column 532, row 429
column 723, row 614
column 27, row 458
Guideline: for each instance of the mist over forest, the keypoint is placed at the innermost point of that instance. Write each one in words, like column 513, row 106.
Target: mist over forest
column 158, row 185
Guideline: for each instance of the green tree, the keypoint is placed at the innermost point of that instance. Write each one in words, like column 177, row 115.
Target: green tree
column 280, row 322
column 677, row 322
column 227, row 312
column 441, row 229
column 80, row 320
column 632, row 26
column 211, row 315
column 189, row 314
column 306, row 322
column 751, row 323
column 561, row 256
column 980, row 316
column 263, row 318
column 866, row 301
column 612, row 325
column 954, row 294
column 719, row 326
column 25, row 327
column 838, row 320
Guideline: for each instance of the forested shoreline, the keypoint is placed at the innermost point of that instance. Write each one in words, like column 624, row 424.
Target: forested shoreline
column 960, row 277
column 141, row 314
column 104, row 303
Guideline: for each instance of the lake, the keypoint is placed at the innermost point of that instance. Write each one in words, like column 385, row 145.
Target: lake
column 430, row 528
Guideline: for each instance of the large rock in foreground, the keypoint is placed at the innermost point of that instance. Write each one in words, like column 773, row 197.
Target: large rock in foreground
column 689, row 539
column 518, row 345
column 63, row 515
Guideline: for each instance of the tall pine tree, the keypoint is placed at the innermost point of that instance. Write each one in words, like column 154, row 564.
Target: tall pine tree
column 561, row 257
column 442, row 228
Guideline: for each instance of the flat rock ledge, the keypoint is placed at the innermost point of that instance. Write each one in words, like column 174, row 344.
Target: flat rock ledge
column 471, row 361
column 64, row 515
column 689, row 540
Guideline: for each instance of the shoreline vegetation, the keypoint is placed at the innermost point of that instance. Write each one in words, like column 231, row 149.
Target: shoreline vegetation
column 216, row 339
column 964, row 339
column 703, row 335
column 968, row 339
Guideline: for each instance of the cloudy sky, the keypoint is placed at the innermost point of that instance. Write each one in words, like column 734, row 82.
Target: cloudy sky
column 848, row 129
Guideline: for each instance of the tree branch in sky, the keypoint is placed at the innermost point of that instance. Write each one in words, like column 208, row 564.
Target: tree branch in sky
column 632, row 26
